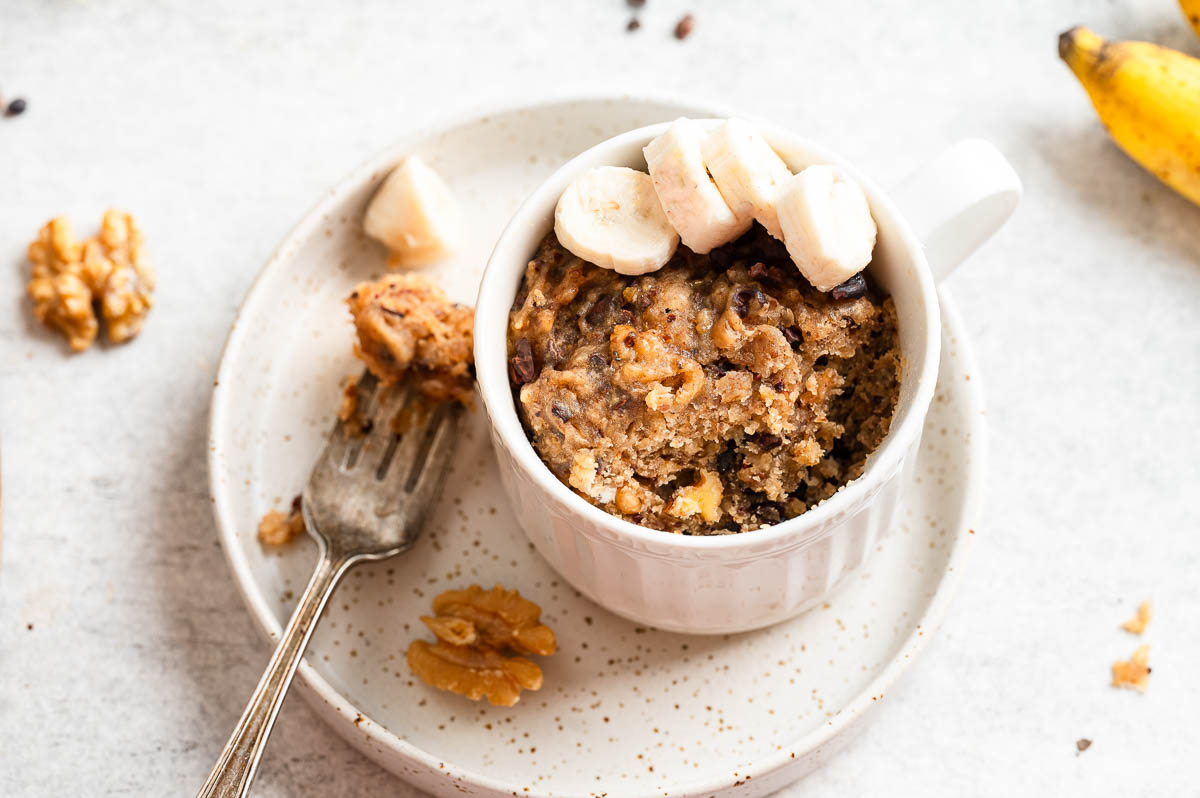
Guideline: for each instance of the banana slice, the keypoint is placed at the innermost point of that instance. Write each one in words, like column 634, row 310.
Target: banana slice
column 747, row 172
column 414, row 215
column 827, row 225
column 687, row 192
column 610, row 216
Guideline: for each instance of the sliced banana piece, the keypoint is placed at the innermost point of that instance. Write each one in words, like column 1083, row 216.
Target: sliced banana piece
column 610, row 216
column 827, row 225
column 747, row 172
column 687, row 192
column 414, row 215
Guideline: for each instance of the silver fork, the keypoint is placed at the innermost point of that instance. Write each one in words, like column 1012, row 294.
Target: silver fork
column 366, row 499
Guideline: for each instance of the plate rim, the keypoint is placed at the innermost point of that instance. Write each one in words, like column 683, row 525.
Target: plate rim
column 314, row 685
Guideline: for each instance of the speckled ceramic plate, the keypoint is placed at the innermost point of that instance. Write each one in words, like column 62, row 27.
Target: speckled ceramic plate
column 625, row 710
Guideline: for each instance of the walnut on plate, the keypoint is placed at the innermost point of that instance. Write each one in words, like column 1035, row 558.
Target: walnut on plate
column 455, row 631
column 502, row 618
column 473, row 627
column 474, row 671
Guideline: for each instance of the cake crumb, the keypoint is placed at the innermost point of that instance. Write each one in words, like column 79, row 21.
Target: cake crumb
column 1137, row 625
column 1133, row 674
column 350, row 410
column 276, row 528
column 407, row 328
column 1081, row 745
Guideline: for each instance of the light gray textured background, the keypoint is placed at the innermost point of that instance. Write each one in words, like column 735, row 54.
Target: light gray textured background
column 218, row 125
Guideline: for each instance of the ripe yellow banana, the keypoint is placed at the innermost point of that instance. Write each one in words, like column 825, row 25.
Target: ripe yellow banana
column 1191, row 10
column 1148, row 98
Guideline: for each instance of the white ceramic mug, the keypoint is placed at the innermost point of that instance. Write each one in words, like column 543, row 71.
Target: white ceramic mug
column 737, row 582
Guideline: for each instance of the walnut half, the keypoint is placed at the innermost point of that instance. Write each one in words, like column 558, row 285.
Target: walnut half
column 502, row 618
column 473, row 671
column 61, row 296
column 70, row 280
column 473, row 627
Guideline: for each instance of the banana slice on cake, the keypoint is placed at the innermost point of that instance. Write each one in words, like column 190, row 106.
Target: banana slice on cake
column 414, row 215
column 610, row 216
column 747, row 172
column 827, row 225
column 690, row 198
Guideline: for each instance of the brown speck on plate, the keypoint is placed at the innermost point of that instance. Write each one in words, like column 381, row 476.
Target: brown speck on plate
column 1081, row 745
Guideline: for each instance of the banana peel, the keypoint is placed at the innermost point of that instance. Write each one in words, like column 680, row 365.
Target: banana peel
column 1147, row 97
column 1191, row 10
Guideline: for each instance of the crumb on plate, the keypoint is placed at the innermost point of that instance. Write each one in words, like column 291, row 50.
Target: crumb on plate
column 276, row 528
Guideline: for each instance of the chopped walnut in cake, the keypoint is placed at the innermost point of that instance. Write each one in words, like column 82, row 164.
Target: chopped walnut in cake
column 473, row 627
column 107, row 273
column 1133, row 673
column 408, row 329
column 1137, row 624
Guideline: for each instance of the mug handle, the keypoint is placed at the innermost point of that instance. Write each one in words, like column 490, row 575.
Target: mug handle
column 956, row 202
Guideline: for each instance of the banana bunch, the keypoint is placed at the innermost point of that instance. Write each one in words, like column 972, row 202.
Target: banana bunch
column 1147, row 97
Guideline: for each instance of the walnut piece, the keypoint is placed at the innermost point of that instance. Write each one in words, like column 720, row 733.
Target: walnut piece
column 502, row 618
column 276, row 528
column 125, row 294
column 70, row 280
column 473, row 671
column 473, row 627
column 704, row 498
column 61, row 297
column 670, row 379
column 1137, row 625
column 408, row 328
column 1134, row 673
column 455, row 631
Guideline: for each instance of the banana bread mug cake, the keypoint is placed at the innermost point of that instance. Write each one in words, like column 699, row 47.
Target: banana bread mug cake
column 721, row 386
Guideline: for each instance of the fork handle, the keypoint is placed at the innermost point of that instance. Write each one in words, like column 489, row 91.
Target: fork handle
column 235, row 769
